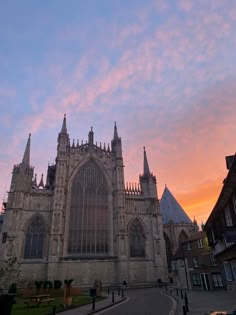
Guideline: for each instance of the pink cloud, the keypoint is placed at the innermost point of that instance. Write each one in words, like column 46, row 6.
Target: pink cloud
column 180, row 142
column 185, row 5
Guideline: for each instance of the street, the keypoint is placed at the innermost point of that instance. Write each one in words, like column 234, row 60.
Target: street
column 143, row 302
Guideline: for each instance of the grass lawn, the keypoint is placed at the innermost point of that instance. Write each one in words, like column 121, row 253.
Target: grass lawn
column 20, row 308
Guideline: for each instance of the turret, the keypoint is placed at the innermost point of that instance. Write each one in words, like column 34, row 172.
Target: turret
column 147, row 180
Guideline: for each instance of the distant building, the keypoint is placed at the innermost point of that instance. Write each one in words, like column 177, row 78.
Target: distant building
column 194, row 265
column 178, row 227
column 221, row 226
column 84, row 223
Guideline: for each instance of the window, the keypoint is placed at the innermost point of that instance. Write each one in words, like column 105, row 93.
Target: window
column 200, row 243
column 137, row 240
column 4, row 237
column 228, row 219
column 174, row 265
column 189, row 246
column 217, row 280
column 233, row 266
column 89, row 216
column 181, row 263
column 34, row 242
column 234, row 203
column 195, row 262
column 196, row 280
column 212, row 260
column 228, row 271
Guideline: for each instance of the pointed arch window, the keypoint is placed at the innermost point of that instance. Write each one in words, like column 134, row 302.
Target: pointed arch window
column 35, row 237
column 137, row 240
column 182, row 238
column 168, row 251
column 89, row 216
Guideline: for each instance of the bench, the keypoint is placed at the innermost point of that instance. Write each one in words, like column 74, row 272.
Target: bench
column 37, row 302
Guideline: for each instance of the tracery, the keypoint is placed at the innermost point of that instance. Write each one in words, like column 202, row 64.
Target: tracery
column 35, row 238
column 137, row 239
column 89, row 222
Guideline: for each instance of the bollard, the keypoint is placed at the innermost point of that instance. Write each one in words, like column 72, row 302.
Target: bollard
column 170, row 291
column 118, row 291
column 122, row 292
column 186, row 302
column 108, row 291
column 181, row 293
column 166, row 287
column 184, row 310
column 113, row 297
column 93, row 304
column 177, row 292
column 54, row 310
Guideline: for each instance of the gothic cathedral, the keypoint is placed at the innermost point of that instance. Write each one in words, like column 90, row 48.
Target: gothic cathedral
column 83, row 223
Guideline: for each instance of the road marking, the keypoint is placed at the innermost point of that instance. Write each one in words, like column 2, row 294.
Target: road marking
column 174, row 306
column 114, row 306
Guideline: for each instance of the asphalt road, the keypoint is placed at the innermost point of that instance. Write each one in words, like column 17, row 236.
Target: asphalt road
column 143, row 302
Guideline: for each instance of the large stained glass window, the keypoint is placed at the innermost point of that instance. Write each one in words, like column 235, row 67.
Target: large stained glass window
column 137, row 239
column 89, row 218
column 35, row 238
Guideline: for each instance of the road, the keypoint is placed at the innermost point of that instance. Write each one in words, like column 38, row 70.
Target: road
column 143, row 302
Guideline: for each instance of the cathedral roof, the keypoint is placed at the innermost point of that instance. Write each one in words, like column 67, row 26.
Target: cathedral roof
column 171, row 209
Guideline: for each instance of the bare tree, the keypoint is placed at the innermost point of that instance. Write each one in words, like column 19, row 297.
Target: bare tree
column 9, row 272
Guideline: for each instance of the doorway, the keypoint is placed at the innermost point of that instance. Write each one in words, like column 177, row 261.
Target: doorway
column 205, row 281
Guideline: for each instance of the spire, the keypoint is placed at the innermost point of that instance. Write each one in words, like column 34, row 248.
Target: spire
column 63, row 128
column 26, row 157
column 145, row 163
column 115, row 133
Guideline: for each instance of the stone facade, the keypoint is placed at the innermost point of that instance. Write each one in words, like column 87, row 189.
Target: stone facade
column 124, row 241
column 177, row 226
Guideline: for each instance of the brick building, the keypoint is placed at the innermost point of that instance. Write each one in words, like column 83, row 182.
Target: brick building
column 194, row 266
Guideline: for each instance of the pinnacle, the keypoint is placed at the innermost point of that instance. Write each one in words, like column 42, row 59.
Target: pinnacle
column 26, row 157
column 146, row 170
column 115, row 133
column 63, row 128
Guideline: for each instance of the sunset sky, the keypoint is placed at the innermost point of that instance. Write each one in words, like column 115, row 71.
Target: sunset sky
column 165, row 71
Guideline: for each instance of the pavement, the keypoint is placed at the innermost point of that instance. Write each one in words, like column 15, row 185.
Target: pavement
column 99, row 306
column 205, row 302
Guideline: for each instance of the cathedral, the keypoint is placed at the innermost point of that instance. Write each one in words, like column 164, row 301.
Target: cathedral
column 84, row 223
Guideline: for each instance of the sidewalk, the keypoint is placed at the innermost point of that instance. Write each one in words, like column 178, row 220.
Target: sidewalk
column 87, row 309
column 206, row 302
